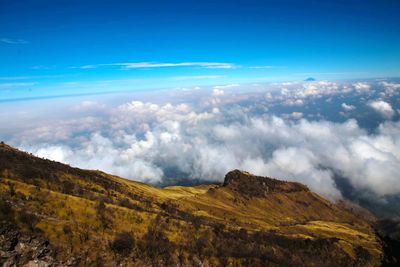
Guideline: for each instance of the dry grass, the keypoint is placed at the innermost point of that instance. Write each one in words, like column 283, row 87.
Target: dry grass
column 132, row 206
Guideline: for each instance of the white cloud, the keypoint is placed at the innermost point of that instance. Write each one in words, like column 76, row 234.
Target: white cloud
column 88, row 105
column 13, row 41
column 263, row 67
column 299, row 93
column 294, row 102
column 139, row 140
column 391, row 88
column 195, row 77
column 295, row 93
column 159, row 113
column 57, row 153
column 204, row 139
column 139, row 65
column 15, row 84
column 317, row 88
column 348, row 107
column 362, row 86
column 15, row 78
column 226, row 86
column 394, row 86
column 297, row 115
column 217, row 92
column 382, row 107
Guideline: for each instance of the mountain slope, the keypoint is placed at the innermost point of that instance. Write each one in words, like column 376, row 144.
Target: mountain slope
column 93, row 218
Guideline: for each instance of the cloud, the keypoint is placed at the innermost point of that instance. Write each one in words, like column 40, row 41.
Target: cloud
column 391, row 88
column 362, row 86
column 140, row 65
column 195, row 77
column 348, row 107
column 300, row 94
column 294, row 102
column 226, row 86
column 16, row 78
column 57, row 153
column 264, row 67
column 297, row 115
column 15, row 84
column 391, row 85
column 383, row 108
column 160, row 113
column 294, row 93
column 88, row 105
column 317, row 88
column 141, row 140
column 199, row 138
column 13, row 41
column 217, row 92
column 327, row 73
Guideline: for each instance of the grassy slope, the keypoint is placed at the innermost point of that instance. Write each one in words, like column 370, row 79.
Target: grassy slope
column 61, row 196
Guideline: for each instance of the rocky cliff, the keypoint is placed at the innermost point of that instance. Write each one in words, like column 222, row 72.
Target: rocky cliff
column 258, row 186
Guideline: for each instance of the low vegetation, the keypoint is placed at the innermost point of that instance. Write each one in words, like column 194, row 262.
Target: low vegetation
column 103, row 220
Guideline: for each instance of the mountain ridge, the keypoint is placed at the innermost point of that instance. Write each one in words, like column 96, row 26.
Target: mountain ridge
column 249, row 184
column 246, row 220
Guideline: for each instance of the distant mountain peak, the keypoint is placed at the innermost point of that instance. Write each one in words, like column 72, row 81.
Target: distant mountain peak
column 310, row 79
column 248, row 184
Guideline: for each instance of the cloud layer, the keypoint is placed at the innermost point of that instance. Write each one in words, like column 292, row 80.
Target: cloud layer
column 225, row 129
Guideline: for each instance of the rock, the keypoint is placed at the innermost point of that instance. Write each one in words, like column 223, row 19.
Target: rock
column 251, row 185
column 73, row 261
column 37, row 263
column 23, row 249
column 8, row 237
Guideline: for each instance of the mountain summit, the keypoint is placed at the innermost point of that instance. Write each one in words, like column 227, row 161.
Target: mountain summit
column 258, row 186
column 51, row 213
column 310, row 79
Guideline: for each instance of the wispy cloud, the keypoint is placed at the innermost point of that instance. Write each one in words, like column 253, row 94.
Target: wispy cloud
column 226, row 86
column 266, row 67
column 13, row 41
column 41, row 67
column 12, row 85
column 329, row 73
column 16, row 78
column 195, row 77
column 141, row 65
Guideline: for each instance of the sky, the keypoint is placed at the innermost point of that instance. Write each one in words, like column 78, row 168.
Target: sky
column 65, row 48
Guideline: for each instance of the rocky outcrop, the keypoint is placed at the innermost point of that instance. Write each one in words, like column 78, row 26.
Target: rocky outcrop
column 20, row 249
column 258, row 186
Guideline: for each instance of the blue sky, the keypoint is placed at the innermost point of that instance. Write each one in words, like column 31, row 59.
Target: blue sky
column 72, row 47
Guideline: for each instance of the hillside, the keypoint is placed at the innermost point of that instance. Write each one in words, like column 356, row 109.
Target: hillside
column 91, row 218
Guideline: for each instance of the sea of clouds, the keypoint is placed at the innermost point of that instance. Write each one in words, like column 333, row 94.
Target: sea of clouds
column 311, row 132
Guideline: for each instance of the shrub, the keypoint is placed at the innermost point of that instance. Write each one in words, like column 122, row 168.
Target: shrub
column 11, row 189
column 29, row 219
column 6, row 211
column 101, row 213
column 128, row 204
column 156, row 244
column 67, row 187
column 123, row 243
